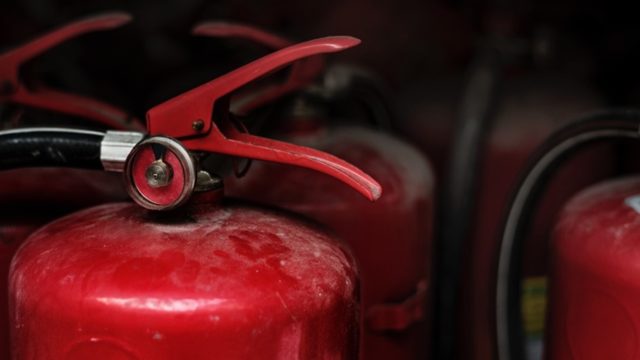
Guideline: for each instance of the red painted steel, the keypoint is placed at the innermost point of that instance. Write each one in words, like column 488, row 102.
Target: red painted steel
column 226, row 282
column 396, row 301
column 595, row 287
column 207, row 107
column 225, row 29
column 274, row 287
column 196, row 103
column 391, row 239
column 530, row 111
column 14, row 90
column 302, row 72
column 31, row 197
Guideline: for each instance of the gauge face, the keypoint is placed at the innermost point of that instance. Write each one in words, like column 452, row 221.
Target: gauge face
column 160, row 174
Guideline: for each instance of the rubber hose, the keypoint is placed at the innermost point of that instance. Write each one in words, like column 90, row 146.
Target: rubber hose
column 606, row 125
column 50, row 147
column 458, row 202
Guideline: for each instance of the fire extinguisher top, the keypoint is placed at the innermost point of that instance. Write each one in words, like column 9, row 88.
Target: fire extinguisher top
column 205, row 260
column 303, row 72
column 201, row 121
column 599, row 229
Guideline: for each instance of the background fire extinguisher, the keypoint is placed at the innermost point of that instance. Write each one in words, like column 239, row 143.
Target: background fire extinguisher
column 592, row 294
column 210, row 278
column 392, row 238
column 507, row 110
column 24, row 204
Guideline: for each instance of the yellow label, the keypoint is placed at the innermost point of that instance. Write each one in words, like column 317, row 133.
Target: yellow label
column 534, row 304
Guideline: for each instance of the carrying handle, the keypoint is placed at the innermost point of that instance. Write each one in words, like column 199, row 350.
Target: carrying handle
column 303, row 72
column 226, row 139
column 225, row 29
column 190, row 113
column 200, row 119
column 14, row 90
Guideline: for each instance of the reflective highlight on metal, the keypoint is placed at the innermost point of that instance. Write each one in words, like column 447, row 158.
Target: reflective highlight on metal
column 159, row 174
column 116, row 147
column 172, row 191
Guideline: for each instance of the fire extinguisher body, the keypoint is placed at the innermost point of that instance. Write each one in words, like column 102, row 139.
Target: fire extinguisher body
column 190, row 278
column 520, row 126
column 595, row 283
column 25, row 207
column 227, row 282
column 390, row 239
column 32, row 197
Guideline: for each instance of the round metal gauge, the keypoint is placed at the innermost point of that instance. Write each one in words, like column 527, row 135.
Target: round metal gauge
column 160, row 173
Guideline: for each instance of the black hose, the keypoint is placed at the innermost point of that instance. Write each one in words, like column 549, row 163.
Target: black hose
column 459, row 203
column 607, row 125
column 50, row 147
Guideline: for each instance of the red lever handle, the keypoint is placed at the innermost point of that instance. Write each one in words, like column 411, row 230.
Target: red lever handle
column 178, row 116
column 228, row 140
column 241, row 31
column 190, row 118
column 43, row 43
column 16, row 91
column 302, row 73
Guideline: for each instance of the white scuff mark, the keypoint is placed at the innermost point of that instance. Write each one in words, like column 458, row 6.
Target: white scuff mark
column 633, row 202
column 163, row 305
column 284, row 304
column 157, row 336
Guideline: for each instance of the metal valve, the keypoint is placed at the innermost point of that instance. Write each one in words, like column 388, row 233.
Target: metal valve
column 160, row 169
column 160, row 173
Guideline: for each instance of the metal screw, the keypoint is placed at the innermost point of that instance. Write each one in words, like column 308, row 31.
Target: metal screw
column 198, row 125
column 159, row 174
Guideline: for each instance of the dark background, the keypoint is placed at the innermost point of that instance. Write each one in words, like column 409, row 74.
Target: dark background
column 417, row 47
column 558, row 59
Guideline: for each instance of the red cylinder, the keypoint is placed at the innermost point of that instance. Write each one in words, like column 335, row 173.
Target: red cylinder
column 391, row 238
column 595, row 279
column 530, row 111
column 210, row 281
column 30, row 198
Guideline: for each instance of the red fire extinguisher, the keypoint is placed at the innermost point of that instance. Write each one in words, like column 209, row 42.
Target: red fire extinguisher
column 24, row 206
column 391, row 239
column 593, row 288
column 210, row 278
column 504, row 115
